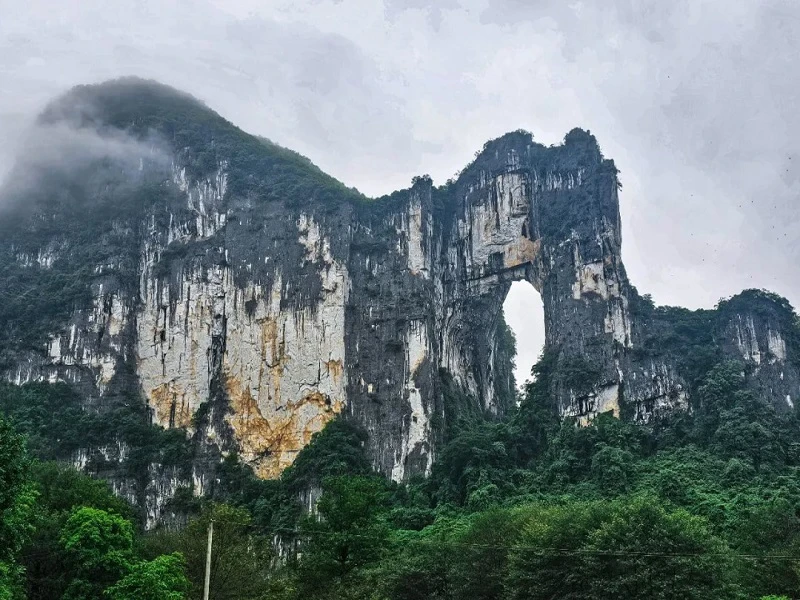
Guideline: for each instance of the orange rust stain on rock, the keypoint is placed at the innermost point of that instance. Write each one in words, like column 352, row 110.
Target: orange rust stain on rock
column 273, row 357
column 335, row 368
column 524, row 251
column 271, row 444
column 169, row 406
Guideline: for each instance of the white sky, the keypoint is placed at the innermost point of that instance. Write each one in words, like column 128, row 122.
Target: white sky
column 696, row 100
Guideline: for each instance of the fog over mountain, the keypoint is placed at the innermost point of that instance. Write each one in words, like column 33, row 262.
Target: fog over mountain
column 696, row 103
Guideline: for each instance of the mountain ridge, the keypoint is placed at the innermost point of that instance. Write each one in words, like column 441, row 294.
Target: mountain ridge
column 220, row 286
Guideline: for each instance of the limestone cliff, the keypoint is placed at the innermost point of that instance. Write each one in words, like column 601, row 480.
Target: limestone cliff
column 248, row 298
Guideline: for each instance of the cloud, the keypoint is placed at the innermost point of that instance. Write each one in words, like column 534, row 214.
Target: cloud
column 47, row 154
column 63, row 148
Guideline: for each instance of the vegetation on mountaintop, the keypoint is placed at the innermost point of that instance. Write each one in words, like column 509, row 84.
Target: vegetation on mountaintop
column 256, row 166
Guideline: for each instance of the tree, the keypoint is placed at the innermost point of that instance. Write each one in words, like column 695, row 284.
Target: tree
column 350, row 532
column 480, row 554
column 240, row 561
column 160, row 579
column 768, row 527
column 418, row 567
column 646, row 551
column 630, row 548
column 543, row 564
column 9, row 581
column 611, row 468
column 60, row 489
column 99, row 547
column 17, row 498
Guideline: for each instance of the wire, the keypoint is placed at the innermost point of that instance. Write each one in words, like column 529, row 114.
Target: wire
column 544, row 551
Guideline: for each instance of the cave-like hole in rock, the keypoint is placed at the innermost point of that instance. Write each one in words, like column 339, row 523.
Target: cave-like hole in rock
column 524, row 314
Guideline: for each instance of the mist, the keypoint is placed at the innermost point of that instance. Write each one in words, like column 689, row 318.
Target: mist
column 47, row 152
column 695, row 101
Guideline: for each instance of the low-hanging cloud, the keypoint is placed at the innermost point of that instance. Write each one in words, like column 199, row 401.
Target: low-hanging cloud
column 62, row 151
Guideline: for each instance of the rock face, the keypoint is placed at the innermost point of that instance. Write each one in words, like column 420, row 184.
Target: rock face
column 249, row 298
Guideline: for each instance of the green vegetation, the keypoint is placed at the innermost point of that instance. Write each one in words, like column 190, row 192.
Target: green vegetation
column 65, row 535
column 240, row 566
column 159, row 579
column 16, row 508
column 256, row 166
column 56, row 425
column 630, row 548
column 703, row 505
column 98, row 547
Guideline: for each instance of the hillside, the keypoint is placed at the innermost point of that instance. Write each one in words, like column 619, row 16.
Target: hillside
column 219, row 330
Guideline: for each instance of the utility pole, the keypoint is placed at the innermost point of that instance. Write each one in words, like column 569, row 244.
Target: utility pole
column 207, row 586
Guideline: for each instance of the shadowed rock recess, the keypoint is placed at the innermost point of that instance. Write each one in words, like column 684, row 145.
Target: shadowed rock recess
column 249, row 298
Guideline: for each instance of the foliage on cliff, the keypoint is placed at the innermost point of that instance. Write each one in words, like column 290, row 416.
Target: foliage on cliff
column 56, row 426
column 705, row 506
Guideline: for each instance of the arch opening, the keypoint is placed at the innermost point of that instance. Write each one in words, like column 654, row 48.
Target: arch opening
column 524, row 313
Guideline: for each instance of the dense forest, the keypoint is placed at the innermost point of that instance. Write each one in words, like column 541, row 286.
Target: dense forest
column 703, row 504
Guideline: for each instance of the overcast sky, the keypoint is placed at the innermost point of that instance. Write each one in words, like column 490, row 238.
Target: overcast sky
column 698, row 102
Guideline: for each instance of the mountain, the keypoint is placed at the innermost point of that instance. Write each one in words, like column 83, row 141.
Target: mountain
column 159, row 266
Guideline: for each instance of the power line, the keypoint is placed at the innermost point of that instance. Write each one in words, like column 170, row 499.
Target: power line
column 544, row 551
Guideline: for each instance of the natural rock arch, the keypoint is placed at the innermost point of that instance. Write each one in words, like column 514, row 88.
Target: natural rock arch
column 249, row 298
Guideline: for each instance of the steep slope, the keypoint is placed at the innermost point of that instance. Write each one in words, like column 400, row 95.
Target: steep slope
column 155, row 255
